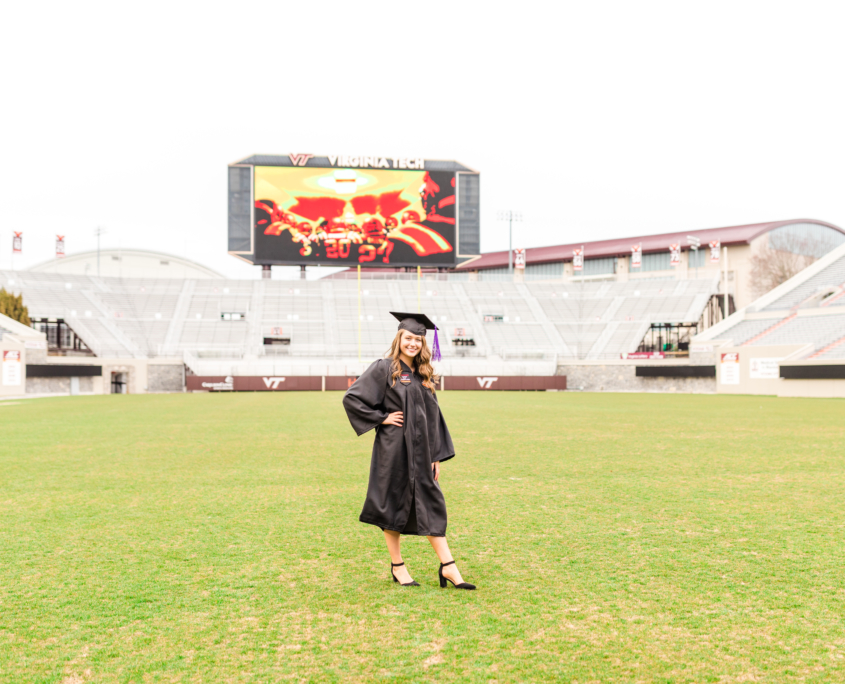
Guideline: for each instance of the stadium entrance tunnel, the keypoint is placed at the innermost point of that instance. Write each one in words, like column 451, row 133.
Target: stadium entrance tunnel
column 119, row 382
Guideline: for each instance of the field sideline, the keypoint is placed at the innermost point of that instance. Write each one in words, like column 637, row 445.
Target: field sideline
column 614, row 538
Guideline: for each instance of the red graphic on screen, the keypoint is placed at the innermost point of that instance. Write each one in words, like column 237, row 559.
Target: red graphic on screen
column 386, row 204
column 314, row 208
column 366, row 227
column 365, row 204
column 434, row 200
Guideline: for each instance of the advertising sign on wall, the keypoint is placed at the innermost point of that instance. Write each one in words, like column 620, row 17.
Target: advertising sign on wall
column 643, row 355
column 11, row 367
column 729, row 374
column 764, row 369
column 351, row 216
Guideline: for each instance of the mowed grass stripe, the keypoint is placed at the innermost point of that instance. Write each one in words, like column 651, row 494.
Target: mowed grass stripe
column 613, row 537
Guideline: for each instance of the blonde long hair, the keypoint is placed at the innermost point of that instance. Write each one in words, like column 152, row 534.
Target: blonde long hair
column 422, row 362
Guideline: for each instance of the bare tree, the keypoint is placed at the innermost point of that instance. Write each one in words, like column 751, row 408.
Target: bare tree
column 771, row 267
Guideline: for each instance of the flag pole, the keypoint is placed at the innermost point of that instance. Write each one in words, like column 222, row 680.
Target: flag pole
column 359, row 313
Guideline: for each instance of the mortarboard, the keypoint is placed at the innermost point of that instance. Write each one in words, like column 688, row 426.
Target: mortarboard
column 417, row 324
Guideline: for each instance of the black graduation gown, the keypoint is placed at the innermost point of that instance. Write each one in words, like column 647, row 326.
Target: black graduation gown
column 402, row 494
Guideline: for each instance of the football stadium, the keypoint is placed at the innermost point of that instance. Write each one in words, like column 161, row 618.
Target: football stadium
column 642, row 313
column 648, row 434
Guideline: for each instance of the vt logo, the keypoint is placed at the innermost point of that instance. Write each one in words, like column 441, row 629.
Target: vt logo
column 486, row 383
column 300, row 159
column 273, row 383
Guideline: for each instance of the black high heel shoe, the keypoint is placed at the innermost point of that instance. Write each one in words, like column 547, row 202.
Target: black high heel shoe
column 443, row 580
column 407, row 584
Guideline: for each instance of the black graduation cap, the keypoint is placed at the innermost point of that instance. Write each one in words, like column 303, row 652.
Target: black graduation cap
column 418, row 323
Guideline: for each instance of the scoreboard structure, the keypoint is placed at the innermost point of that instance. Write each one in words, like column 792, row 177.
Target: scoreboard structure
column 301, row 209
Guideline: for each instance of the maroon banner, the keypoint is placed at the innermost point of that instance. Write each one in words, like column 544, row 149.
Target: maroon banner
column 643, row 355
column 248, row 383
column 276, row 383
column 216, row 383
column 339, row 383
column 505, row 382
column 342, row 383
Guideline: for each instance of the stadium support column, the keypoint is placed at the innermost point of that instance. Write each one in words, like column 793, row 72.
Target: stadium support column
column 302, row 272
column 266, row 272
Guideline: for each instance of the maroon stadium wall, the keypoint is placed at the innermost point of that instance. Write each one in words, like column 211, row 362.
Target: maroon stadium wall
column 341, row 383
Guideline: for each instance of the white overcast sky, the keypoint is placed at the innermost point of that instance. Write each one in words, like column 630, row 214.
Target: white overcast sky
column 595, row 119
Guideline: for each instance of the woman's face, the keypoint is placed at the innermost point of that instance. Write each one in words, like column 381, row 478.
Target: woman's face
column 410, row 344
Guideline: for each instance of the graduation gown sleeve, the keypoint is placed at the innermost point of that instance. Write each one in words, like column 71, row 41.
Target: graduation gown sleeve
column 364, row 400
column 446, row 449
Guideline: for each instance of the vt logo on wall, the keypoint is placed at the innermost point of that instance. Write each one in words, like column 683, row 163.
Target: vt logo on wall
column 486, row 383
column 273, row 383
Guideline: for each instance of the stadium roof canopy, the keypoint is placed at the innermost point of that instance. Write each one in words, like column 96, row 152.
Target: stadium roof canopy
column 728, row 236
column 127, row 263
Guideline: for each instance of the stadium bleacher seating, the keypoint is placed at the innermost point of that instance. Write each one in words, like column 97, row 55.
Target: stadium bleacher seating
column 833, row 275
column 808, row 310
column 125, row 317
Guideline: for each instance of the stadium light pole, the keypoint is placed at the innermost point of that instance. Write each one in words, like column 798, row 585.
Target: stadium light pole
column 98, row 231
column 510, row 216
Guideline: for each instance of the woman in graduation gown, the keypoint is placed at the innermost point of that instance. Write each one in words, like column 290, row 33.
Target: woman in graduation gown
column 395, row 395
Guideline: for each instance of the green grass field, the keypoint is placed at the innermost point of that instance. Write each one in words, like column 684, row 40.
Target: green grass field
column 614, row 538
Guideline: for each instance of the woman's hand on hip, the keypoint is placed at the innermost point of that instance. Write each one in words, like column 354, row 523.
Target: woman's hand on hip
column 436, row 468
column 394, row 418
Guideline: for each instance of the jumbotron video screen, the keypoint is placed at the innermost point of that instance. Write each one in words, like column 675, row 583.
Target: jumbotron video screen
column 372, row 217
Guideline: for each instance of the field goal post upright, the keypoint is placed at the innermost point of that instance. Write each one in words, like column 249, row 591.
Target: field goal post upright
column 359, row 313
column 578, row 347
column 725, row 269
column 419, row 285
